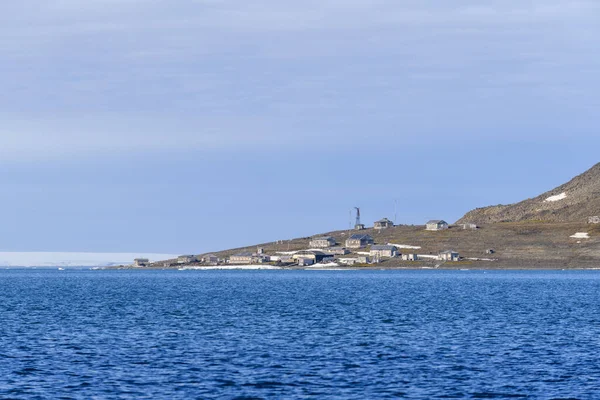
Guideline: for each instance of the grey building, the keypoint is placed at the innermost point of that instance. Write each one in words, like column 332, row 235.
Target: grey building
column 141, row 262
column 187, row 259
column 305, row 261
column 210, row 259
column 322, row 242
column 338, row 251
column 317, row 256
column 436, row 225
column 241, row 258
column 469, row 226
column 363, row 259
column 449, row 255
column 383, row 224
column 384, row 251
column 358, row 240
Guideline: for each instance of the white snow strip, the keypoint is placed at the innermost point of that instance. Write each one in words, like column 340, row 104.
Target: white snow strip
column 481, row 259
column 363, row 253
column 558, row 197
column 581, row 235
column 428, row 256
column 291, row 253
column 231, row 267
column 404, row 246
column 327, row 265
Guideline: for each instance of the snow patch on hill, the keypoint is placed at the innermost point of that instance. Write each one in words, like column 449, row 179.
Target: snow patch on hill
column 581, row 235
column 558, row 197
column 404, row 246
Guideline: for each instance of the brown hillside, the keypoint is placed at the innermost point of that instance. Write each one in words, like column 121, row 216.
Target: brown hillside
column 581, row 200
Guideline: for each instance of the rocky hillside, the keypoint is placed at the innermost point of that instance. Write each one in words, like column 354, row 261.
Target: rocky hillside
column 574, row 201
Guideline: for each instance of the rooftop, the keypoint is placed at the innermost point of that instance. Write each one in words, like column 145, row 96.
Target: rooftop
column 359, row 236
column 437, row 221
column 383, row 247
column 243, row 254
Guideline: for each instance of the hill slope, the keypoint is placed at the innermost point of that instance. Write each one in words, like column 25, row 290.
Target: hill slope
column 574, row 201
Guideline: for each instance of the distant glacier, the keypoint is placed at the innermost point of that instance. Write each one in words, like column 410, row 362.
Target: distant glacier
column 57, row 259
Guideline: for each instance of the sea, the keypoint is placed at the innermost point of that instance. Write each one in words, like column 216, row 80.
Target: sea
column 424, row 334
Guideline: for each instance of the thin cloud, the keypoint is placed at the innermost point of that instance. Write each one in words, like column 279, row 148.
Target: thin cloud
column 138, row 75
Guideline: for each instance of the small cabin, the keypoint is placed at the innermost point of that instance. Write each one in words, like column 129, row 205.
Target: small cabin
column 316, row 256
column 469, row 227
column 210, row 259
column 383, row 224
column 322, row 242
column 384, row 251
column 436, row 225
column 338, row 251
column 241, row 258
column 363, row 259
column 141, row 262
column 410, row 257
column 187, row 259
column 357, row 241
column 449, row 255
column 305, row 261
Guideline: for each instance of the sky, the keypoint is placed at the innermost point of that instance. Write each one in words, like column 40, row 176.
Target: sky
column 188, row 126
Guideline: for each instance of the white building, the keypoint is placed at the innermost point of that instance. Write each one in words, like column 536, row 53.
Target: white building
column 304, row 261
column 436, row 225
column 187, row 259
column 469, row 226
column 383, row 224
column 358, row 240
column 322, row 242
column 141, row 262
column 384, row 251
column 210, row 259
column 449, row 255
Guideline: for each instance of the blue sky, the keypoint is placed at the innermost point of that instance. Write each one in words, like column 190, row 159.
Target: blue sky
column 187, row 126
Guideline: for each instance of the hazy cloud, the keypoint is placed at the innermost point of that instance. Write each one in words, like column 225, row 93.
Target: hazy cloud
column 138, row 74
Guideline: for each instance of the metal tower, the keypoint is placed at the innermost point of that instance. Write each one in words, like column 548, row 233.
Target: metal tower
column 358, row 226
column 357, row 223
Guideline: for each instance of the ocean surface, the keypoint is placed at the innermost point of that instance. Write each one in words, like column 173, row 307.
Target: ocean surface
column 299, row 334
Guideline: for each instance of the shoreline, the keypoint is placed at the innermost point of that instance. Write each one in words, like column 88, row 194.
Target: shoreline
column 366, row 268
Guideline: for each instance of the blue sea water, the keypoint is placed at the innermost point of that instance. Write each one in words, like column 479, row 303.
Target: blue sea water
column 299, row 334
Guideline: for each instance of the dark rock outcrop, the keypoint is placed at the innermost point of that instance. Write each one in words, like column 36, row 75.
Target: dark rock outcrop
column 574, row 201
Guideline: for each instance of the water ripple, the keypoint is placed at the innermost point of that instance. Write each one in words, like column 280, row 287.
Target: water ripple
column 279, row 334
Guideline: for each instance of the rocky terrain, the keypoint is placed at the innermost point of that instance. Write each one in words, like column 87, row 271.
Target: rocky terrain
column 550, row 231
column 532, row 245
column 574, row 201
